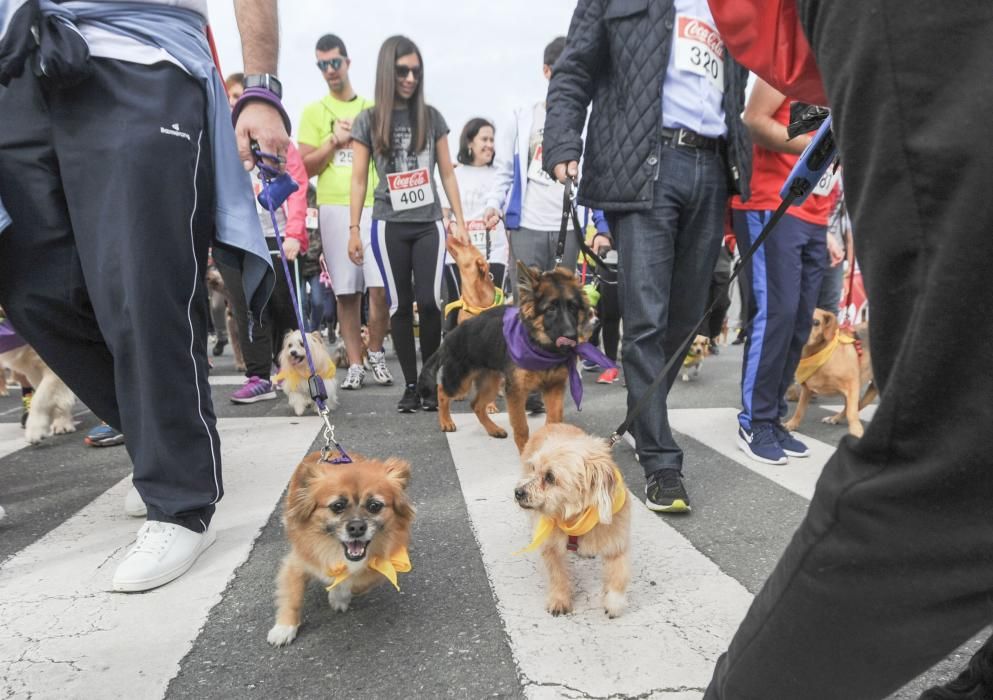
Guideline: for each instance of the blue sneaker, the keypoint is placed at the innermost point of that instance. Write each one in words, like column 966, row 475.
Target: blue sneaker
column 103, row 436
column 791, row 446
column 761, row 444
column 590, row 366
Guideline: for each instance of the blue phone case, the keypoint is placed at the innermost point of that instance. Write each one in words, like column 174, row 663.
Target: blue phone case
column 817, row 157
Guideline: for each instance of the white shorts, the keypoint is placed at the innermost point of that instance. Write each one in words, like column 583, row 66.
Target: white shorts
column 346, row 276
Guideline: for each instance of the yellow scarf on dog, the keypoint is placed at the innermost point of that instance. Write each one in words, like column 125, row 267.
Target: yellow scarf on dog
column 809, row 365
column 294, row 379
column 399, row 561
column 582, row 523
column 473, row 310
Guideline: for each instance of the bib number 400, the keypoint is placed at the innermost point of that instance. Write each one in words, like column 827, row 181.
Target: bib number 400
column 414, row 197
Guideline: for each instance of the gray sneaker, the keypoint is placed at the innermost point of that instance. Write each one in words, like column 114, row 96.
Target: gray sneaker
column 380, row 372
column 354, row 378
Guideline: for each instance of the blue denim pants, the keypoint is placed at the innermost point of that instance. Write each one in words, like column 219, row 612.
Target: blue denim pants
column 666, row 260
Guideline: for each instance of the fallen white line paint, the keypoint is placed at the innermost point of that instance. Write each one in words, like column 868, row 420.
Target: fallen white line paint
column 717, row 429
column 682, row 609
column 66, row 635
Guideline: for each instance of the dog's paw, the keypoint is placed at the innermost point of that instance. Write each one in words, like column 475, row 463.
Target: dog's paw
column 34, row 434
column 281, row 635
column 492, row 408
column 556, row 607
column 830, row 420
column 497, row 432
column 448, row 426
column 240, row 367
column 686, row 377
column 614, row 603
column 61, row 426
column 791, row 425
column 339, row 599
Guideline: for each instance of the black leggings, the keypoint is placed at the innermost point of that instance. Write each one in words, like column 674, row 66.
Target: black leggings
column 411, row 258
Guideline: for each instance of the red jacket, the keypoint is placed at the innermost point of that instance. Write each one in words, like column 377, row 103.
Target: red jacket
column 765, row 36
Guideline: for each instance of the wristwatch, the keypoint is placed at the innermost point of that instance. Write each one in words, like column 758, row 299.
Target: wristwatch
column 267, row 81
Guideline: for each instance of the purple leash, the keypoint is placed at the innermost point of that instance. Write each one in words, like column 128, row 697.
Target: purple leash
column 269, row 175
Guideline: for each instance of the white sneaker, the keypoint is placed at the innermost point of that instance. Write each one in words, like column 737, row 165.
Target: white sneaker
column 133, row 505
column 354, row 378
column 162, row 552
column 380, row 372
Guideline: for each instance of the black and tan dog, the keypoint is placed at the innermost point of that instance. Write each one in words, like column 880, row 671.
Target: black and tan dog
column 553, row 319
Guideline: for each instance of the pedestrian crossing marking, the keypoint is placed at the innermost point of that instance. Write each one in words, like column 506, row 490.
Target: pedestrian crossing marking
column 11, row 438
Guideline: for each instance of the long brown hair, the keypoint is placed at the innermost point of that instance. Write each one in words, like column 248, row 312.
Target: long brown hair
column 382, row 124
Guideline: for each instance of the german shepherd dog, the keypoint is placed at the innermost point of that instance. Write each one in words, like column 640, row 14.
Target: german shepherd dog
column 556, row 315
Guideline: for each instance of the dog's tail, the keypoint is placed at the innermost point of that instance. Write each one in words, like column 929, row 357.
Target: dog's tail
column 427, row 381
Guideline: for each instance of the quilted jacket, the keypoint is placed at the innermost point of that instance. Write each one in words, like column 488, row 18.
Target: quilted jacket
column 615, row 57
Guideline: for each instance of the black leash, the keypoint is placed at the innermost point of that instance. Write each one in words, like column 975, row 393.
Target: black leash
column 571, row 216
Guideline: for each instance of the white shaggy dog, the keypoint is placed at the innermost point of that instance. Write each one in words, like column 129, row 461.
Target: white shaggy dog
column 294, row 372
column 52, row 402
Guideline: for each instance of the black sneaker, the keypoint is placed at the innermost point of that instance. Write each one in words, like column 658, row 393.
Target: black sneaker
column 665, row 492
column 534, row 405
column 410, row 401
column 219, row 348
column 430, row 403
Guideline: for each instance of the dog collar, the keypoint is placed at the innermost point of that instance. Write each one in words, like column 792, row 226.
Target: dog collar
column 809, row 365
column 399, row 561
column 582, row 523
column 461, row 303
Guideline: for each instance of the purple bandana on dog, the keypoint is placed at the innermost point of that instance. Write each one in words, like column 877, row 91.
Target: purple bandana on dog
column 9, row 339
column 527, row 355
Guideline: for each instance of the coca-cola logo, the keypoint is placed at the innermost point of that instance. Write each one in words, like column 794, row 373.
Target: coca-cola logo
column 700, row 31
column 405, row 181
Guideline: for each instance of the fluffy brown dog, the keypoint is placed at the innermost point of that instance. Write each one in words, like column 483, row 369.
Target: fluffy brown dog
column 348, row 526
column 837, row 363
column 478, row 291
column 699, row 349
column 572, row 484
column 215, row 283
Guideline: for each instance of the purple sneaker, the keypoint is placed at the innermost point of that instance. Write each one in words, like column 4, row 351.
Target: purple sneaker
column 254, row 389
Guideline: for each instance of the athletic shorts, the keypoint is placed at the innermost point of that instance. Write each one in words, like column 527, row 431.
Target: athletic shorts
column 346, row 276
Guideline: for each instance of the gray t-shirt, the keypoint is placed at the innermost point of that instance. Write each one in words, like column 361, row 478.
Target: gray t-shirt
column 403, row 160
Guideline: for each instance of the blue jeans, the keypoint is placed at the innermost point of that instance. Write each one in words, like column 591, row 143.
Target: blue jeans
column 318, row 304
column 666, row 259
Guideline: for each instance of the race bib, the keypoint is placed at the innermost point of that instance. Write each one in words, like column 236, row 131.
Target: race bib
column 700, row 50
column 313, row 218
column 827, row 182
column 343, row 157
column 410, row 189
column 535, row 170
column 477, row 234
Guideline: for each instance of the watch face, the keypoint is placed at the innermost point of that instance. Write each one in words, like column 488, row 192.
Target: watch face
column 265, row 80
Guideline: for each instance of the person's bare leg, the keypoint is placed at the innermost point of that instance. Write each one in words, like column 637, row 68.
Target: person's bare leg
column 379, row 318
column 349, row 318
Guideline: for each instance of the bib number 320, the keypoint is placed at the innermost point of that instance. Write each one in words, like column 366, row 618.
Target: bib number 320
column 410, row 189
column 700, row 50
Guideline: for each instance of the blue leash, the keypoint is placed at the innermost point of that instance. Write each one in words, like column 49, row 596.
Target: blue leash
column 276, row 188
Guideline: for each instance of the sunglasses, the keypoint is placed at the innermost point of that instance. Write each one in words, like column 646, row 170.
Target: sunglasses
column 404, row 71
column 333, row 63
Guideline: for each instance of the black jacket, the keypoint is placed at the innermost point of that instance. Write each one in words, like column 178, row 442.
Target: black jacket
column 615, row 57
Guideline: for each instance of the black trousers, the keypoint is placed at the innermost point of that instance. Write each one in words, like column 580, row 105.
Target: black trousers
column 110, row 187
column 892, row 568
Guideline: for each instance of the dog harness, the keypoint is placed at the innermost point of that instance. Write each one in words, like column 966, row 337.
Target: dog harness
column 581, row 524
column 526, row 355
column 461, row 303
column 809, row 365
column 399, row 561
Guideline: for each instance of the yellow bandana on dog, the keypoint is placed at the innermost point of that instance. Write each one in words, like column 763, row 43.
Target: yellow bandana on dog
column 399, row 561
column 582, row 523
column 294, row 379
column 473, row 310
column 808, row 365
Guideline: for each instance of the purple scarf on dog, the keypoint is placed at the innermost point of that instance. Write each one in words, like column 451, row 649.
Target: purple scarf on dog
column 9, row 339
column 527, row 355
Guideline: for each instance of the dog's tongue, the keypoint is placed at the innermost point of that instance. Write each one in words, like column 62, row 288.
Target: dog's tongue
column 562, row 340
column 356, row 548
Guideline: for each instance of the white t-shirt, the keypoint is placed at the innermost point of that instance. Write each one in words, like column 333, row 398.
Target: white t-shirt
column 475, row 183
column 542, row 208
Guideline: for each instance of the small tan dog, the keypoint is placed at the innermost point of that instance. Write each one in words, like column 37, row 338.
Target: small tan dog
column 52, row 401
column 573, row 486
column 294, row 372
column 834, row 362
column 348, row 526
column 215, row 283
column 699, row 349
column 340, row 352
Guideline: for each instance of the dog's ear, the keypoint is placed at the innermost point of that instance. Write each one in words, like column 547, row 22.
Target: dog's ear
column 398, row 471
column 829, row 325
column 316, row 337
column 300, row 504
column 602, row 482
column 527, row 279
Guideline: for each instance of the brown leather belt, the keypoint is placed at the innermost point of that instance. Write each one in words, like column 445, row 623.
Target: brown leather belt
column 691, row 139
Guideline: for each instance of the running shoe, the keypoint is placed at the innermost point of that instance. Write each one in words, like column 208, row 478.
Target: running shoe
column 354, row 378
column 590, row 366
column 430, row 403
column 761, row 444
column 380, row 372
column 254, row 389
column 608, row 376
column 103, row 436
column 665, row 493
column 534, row 404
column 25, row 408
column 219, row 347
column 410, row 401
column 791, row 446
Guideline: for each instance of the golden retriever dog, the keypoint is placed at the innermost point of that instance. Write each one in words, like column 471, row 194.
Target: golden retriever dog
column 837, row 363
column 348, row 527
column 578, row 495
column 294, row 372
column 699, row 349
column 52, row 401
column 215, row 283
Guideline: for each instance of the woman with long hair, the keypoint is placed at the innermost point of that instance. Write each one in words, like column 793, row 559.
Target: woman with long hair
column 477, row 179
column 406, row 138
